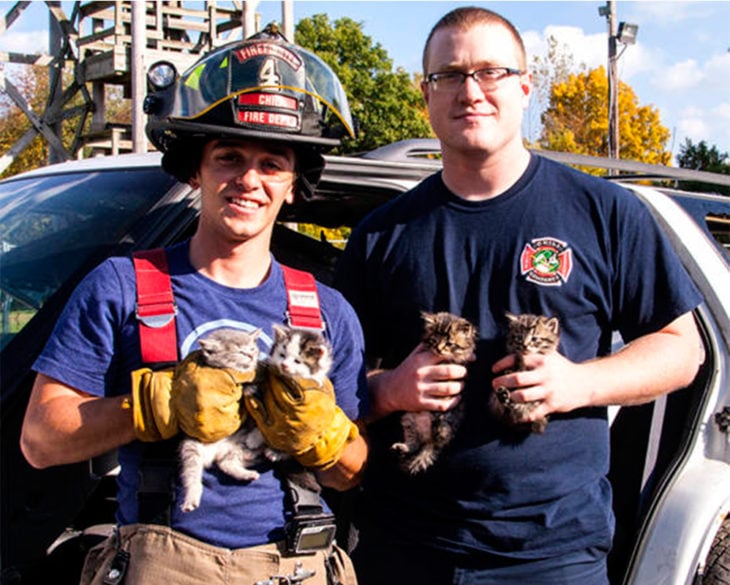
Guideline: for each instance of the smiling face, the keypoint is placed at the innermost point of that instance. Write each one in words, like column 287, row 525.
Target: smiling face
column 243, row 185
column 468, row 119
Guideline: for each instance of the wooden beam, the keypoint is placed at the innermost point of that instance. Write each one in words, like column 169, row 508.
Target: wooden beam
column 12, row 15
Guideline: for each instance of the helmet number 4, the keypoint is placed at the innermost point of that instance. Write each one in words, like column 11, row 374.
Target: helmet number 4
column 268, row 74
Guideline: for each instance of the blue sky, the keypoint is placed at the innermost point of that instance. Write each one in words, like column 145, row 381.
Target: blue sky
column 680, row 63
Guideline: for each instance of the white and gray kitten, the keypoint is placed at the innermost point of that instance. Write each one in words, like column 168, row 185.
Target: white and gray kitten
column 238, row 350
column 527, row 334
column 426, row 433
column 300, row 353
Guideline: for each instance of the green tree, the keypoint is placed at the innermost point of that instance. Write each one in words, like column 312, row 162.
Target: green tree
column 387, row 104
column 702, row 157
column 576, row 120
column 32, row 83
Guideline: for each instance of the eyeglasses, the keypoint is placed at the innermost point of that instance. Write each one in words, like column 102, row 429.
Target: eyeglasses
column 488, row 79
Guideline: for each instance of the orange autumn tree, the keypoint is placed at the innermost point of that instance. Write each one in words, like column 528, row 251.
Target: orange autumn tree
column 576, row 120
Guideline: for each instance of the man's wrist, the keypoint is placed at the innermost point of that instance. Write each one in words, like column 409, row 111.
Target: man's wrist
column 378, row 382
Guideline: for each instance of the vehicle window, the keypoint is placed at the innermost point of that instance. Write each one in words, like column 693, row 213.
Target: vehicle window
column 50, row 226
column 719, row 226
column 712, row 213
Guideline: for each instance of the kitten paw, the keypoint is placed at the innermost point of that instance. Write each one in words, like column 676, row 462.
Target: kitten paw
column 243, row 474
column 190, row 504
column 503, row 396
column 273, row 455
column 400, row 448
column 192, row 494
column 419, row 463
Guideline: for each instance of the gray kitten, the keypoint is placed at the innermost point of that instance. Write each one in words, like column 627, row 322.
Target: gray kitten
column 238, row 350
column 527, row 334
column 426, row 433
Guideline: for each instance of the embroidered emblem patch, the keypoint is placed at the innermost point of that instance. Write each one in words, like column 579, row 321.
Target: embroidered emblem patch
column 546, row 261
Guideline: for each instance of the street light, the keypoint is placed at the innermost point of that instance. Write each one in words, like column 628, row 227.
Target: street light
column 626, row 35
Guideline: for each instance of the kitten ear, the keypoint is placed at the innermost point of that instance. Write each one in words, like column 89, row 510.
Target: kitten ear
column 553, row 324
column 427, row 317
column 208, row 344
column 255, row 334
column 511, row 316
column 279, row 331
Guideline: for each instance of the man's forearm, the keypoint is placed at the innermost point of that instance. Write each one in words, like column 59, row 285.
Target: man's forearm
column 348, row 470
column 64, row 426
column 648, row 367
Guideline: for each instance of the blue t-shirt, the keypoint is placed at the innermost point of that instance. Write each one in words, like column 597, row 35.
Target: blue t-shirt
column 558, row 243
column 95, row 347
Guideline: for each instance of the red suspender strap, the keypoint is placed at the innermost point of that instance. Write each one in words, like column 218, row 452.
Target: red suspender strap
column 156, row 307
column 302, row 298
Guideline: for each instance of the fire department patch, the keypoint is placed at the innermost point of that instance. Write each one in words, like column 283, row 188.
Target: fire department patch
column 546, row 261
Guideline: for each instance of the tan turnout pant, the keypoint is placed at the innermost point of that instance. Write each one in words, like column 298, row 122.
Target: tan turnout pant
column 159, row 555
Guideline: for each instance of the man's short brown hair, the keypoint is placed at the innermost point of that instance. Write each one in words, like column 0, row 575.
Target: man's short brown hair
column 468, row 17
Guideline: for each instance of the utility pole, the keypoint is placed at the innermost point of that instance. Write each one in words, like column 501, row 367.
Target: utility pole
column 609, row 11
column 624, row 33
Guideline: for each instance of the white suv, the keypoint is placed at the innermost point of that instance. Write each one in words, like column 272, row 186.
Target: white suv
column 671, row 459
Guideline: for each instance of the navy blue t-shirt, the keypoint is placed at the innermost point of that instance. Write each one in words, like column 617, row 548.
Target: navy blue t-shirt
column 95, row 347
column 558, row 243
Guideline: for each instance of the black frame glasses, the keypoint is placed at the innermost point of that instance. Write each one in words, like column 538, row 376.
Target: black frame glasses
column 487, row 79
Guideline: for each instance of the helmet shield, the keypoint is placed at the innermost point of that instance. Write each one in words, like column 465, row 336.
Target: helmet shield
column 260, row 87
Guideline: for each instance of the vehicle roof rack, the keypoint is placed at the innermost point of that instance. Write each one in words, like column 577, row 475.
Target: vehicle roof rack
column 418, row 149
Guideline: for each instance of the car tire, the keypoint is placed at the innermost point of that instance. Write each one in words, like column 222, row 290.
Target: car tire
column 717, row 566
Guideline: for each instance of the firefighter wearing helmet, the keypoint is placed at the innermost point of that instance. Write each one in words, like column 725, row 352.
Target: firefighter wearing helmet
column 262, row 88
column 221, row 462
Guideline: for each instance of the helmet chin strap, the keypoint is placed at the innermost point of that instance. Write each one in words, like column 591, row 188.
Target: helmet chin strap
column 305, row 187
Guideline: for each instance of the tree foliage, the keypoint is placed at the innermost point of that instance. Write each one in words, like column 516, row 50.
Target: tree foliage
column 387, row 104
column 552, row 68
column 702, row 157
column 576, row 120
column 33, row 85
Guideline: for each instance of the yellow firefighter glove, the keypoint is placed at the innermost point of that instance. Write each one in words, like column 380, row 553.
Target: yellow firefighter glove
column 300, row 418
column 199, row 400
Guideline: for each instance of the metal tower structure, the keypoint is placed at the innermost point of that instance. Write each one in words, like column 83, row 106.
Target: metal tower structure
column 111, row 44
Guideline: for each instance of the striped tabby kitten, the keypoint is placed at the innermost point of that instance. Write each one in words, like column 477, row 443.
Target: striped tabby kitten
column 426, row 433
column 527, row 334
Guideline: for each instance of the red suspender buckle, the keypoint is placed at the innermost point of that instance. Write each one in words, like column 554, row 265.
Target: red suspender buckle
column 303, row 300
column 156, row 307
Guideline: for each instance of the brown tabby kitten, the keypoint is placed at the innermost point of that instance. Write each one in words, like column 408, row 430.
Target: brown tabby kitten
column 427, row 432
column 237, row 350
column 527, row 334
